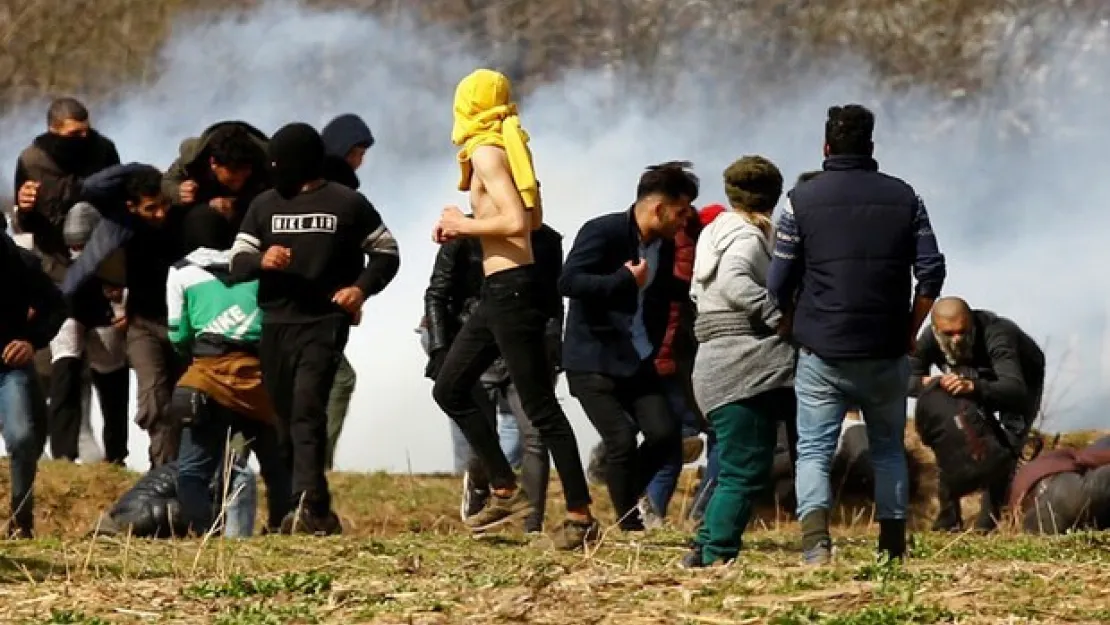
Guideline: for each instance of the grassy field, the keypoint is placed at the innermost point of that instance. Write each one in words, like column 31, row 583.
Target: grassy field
column 405, row 559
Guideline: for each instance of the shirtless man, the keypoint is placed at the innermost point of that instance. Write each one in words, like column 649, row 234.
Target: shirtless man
column 511, row 314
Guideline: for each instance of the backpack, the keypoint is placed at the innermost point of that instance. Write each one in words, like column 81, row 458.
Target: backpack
column 969, row 443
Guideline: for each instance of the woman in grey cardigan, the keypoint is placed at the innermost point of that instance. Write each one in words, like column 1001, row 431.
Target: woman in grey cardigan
column 744, row 371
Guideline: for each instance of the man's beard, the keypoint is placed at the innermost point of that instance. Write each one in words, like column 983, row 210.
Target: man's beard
column 956, row 354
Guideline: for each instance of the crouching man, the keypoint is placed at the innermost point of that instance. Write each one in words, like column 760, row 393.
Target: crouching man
column 990, row 361
column 221, row 394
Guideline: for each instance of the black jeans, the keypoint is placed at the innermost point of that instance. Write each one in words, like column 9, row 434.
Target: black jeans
column 299, row 361
column 609, row 403
column 65, row 412
column 208, row 427
column 536, row 465
column 509, row 321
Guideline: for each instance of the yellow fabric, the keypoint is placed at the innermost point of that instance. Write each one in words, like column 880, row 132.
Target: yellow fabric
column 486, row 115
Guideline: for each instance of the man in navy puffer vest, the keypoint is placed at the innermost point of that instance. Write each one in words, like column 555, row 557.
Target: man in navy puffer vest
column 848, row 241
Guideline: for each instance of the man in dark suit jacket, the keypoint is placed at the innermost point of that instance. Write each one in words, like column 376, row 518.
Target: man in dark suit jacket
column 620, row 286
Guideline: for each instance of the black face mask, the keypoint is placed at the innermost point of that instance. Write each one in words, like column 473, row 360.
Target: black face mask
column 69, row 153
column 290, row 178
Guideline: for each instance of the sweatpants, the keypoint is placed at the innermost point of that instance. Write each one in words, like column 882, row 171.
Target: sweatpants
column 747, row 433
column 299, row 362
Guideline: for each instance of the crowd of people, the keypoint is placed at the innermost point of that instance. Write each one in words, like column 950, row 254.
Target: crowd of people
column 230, row 282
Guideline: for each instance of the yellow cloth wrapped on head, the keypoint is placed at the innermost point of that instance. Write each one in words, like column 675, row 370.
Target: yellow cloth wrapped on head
column 486, row 115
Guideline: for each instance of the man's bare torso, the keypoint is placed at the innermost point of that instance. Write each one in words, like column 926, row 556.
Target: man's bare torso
column 499, row 253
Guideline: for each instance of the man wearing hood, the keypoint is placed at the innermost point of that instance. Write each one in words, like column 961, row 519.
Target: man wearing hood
column 620, row 281
column 347, row 138
column 94, row 332
column 31, row 311
column 511, row 316
column 137, row 220
column 306, row 241
column 215, row 178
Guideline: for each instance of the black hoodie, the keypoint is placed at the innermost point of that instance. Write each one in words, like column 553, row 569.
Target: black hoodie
column 26, row 287
column 341, row 135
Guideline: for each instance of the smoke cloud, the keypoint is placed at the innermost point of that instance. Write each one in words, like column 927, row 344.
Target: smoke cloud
column 1020, row 221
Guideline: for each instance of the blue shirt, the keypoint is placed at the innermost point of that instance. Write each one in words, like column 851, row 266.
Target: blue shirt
column 650, row 253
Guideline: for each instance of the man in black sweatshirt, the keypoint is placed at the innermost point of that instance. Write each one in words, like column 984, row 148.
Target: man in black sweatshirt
column 347, row 138
column 31, row 312
column 305, row 242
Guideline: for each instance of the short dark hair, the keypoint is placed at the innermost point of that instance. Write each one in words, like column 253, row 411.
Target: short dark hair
column 144, row 182
column 849, row 129
column 232, row 146
column 62, row 109
column 672, row 180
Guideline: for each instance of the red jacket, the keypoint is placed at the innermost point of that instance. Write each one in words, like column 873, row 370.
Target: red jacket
column 677, row 351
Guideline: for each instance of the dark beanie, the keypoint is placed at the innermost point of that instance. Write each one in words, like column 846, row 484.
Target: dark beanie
column 296, row 154
column 753, row 183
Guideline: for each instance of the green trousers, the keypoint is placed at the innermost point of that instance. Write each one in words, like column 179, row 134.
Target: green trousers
column 338, row 403
column 746, row 435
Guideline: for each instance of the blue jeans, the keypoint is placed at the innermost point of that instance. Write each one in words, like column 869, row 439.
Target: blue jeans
column 662, row 486
column 201, row 462
column 508, row 433
column 825, row 390
column 21, row 420
column 242, row 500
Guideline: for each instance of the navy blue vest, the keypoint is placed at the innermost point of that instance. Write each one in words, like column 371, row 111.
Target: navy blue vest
column 857, row 237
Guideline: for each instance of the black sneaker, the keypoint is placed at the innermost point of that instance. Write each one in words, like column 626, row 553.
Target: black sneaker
column 304, row 522
column 500, row 511
column 473, row 499
column 692, row 559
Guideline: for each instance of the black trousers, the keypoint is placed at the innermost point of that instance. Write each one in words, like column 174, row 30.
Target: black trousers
column 509, row 321
column 620, row 409
column 535, row 471
column 64, row 420
column 299, row 361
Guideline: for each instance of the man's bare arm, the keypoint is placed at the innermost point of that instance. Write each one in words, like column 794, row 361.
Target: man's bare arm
column 492, row 168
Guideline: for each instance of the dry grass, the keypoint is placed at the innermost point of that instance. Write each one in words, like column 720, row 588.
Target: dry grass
column 404, row 559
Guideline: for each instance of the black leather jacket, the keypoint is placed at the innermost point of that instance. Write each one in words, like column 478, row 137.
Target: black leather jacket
column 456, row 283
column 150, row 509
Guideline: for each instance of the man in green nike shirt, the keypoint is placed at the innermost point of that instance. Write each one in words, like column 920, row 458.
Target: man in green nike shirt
column 218, row 325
